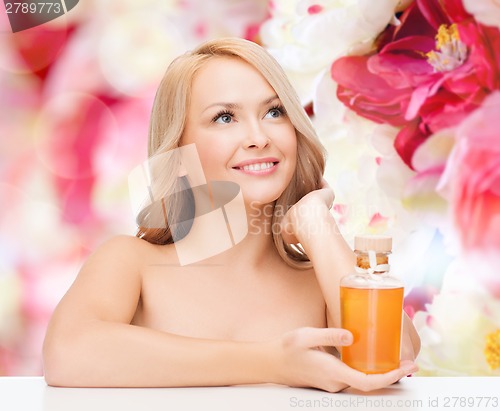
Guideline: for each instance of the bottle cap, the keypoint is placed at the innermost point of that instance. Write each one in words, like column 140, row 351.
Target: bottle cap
column 377, row 243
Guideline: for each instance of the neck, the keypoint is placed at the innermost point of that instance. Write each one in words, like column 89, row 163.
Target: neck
column 206, row 238
column 257, row 248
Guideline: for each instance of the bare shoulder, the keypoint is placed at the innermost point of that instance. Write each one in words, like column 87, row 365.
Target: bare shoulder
column 131, row 252
column 108, row 286
column 125, row 247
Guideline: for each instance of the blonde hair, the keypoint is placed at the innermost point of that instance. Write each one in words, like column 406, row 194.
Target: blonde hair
column 168, row 119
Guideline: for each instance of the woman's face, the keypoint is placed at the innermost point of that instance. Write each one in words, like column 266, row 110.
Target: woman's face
column 240, row 129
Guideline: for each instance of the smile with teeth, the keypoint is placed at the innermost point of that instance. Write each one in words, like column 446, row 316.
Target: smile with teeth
column 257, row 166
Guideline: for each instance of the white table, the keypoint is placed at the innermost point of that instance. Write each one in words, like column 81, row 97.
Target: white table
column 415, row 393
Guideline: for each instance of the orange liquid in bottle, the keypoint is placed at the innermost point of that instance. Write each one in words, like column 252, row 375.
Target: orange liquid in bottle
column 374, row 318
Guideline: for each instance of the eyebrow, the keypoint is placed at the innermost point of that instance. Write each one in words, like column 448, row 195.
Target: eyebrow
column 235, row 106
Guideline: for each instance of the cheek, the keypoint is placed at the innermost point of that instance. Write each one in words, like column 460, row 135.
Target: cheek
column 293, row 156
column 213, row 156
column 293, row 149
column 289, row 146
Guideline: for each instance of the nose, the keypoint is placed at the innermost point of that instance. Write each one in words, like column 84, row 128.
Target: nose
column 256, row 137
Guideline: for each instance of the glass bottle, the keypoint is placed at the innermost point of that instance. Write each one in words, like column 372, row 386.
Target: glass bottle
column 371, row 307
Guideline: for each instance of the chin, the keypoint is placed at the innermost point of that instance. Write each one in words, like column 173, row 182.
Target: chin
column 255, row 197
column 259, row 193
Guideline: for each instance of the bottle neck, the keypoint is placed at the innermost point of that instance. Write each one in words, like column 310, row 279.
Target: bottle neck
column 379, row 260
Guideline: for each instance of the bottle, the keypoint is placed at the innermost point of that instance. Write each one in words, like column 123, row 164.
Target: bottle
column 371, row 307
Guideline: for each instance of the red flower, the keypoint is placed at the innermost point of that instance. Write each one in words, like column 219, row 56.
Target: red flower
column 427, row 74
column 472, row 177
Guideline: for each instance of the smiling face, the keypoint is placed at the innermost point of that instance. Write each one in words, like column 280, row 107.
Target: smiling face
column 241, row 130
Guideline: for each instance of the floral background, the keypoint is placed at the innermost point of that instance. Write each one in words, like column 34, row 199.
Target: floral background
column 405, row 97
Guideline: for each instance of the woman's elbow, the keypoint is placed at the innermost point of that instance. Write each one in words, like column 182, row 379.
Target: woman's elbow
column 54, row 366
column 60, row 362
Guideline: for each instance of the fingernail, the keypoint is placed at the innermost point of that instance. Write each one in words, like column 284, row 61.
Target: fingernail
column 410, row 370
column 346, row 339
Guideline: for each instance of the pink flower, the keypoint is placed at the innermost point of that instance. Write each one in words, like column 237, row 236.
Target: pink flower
column 472, row 177
column 427, row 74
column 72, row 127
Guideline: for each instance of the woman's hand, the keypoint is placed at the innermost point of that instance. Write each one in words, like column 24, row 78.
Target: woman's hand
column 304, row 218
column 303, row 362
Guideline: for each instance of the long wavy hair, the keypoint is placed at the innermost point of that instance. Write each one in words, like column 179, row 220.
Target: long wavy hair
column 168, row 119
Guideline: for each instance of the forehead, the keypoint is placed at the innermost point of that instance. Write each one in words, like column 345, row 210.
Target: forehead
column 229, row 78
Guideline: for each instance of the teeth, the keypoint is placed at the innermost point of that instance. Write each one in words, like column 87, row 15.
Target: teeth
column 258, row 166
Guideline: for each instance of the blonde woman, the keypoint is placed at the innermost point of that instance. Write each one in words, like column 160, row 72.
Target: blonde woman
column 265, row 310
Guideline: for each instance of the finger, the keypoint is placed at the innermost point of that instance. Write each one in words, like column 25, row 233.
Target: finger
column 287, row 232
column 324, row 183
column 369, row 382
column 408, row 366
column 327, row 193
column 313, row 337
column 326, row 186
column 289, row 238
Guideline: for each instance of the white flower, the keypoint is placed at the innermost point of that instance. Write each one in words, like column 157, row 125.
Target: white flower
column 306, row 36
column 221, row 18
column 486, row 12
column 136, row 48
column 455, row 327
column 365, row 171
column 368, row 178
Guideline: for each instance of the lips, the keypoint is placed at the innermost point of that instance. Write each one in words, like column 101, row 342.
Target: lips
column 257, row 164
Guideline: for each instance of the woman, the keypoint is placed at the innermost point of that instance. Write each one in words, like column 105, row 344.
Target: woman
column 264, row 310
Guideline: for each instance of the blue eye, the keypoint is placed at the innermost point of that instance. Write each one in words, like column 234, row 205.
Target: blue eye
column 276, row 112
column 223, row 117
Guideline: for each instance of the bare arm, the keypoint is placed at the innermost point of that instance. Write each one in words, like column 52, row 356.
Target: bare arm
column 332, row 258
column 90, row 341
